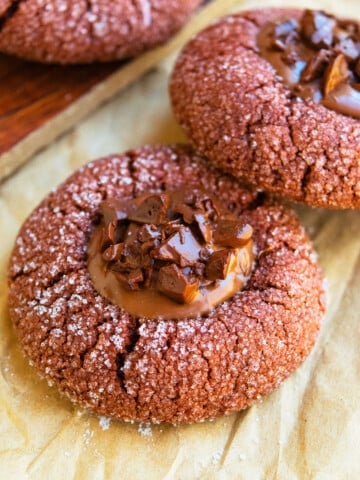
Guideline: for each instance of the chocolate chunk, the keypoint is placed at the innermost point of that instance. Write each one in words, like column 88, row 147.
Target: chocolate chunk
column 146, row 249
column 347, row 95
column 184, row 196
column 219, row 264
column 357, row 68
column 130, row 258
column 204, row 226
column 159, row 240
column 109, row 234
column 231, row 233
column 315, row 67
column 174, row 284
column 131, row 234
column 347, row 47
column 317, row 28
column 291, row 57
column 336, row 73
column 211, row 208
column 314, row 59
column 181, row 248
column 186, row 212
column 113, row 209
column 284, row 29
column 284, row 34
column 130, row 281
column 151, row 210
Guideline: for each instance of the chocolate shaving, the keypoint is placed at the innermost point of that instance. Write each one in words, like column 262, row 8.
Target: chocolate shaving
column 113, row 252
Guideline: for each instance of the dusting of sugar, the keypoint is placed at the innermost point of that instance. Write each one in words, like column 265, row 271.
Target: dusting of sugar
column 242, row 457
column 145, row 429
column 146, row 12
column 215, row 459
column 87, row 436
column 104, row 423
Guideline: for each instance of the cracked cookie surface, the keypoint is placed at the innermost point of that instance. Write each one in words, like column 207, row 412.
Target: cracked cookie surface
column 239, row 113
column 141, row 369
column 83, row 31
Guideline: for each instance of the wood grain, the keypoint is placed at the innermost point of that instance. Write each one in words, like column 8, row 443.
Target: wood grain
column 32, row 94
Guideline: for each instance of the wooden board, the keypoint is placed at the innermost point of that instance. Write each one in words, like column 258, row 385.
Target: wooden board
column 40, row 102
column 31, row 94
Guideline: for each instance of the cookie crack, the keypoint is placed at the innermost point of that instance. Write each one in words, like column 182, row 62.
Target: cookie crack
column 121, row 357
column 251, row 20
column 258, row 202
column 132, row 170
column 89, row 11
column 305, row 179
column 10, row 12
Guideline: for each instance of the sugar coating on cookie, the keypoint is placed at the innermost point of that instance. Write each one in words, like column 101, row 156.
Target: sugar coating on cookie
column 231, row 95
column 63, row 31
column 151, row 369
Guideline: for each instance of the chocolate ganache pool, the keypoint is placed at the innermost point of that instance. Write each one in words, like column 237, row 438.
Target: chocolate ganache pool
column 318, row 56
column 173, row 254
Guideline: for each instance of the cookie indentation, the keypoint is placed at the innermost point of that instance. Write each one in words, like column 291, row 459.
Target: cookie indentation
column 318, row 56
column 171, row 254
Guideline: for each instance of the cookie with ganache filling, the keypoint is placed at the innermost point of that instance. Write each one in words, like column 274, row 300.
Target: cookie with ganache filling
column 150, row 286
column 272, row 96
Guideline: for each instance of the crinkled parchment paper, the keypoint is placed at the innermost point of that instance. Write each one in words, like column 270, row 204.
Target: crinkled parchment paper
column 308, row 429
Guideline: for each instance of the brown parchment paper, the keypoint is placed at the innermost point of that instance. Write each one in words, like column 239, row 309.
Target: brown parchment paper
column 308, row 429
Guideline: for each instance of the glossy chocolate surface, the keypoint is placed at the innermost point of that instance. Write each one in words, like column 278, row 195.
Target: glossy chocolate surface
column 169, row 255
column 318, row 56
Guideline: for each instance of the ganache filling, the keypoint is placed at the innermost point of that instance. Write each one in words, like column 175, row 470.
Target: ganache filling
column 318, row 56
column 172, row 254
